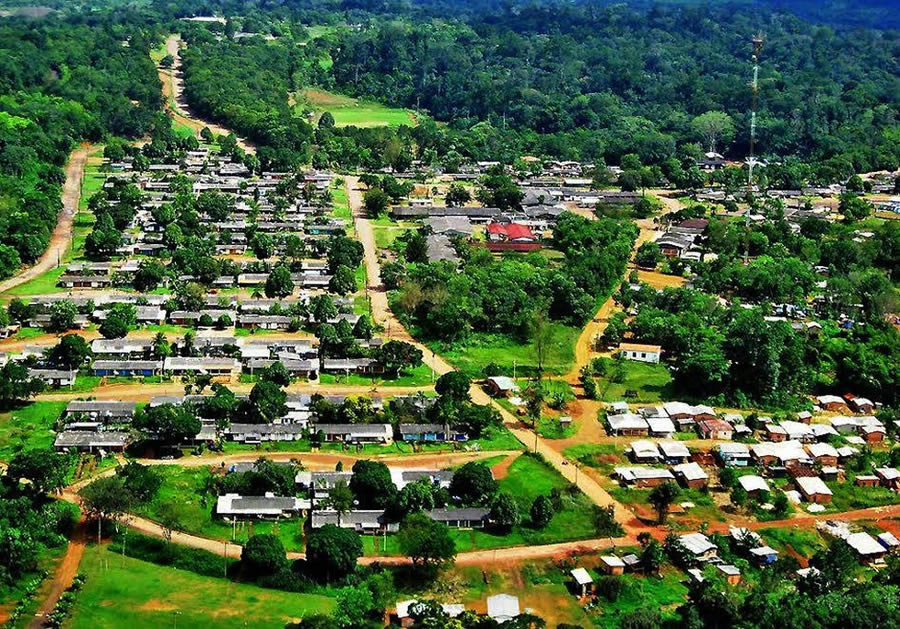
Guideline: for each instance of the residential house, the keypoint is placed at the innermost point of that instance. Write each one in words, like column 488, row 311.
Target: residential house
column 691, row 475
column 642, row 477
column 823, row 453
column 699, row 546
column 582, row 581
column 867, row 548
column 640, row 352
column 54, row 377
column 502, row 607
column 461, row 518
column 813, row 489
column 501, row 386
column 644, row 452
column 831, row 403
column 362, row 521
column 889, row 477
column 733, row 454
column 628, row 424
column 612, row 565
column 753, row 485
column 126, row 368
column 717, row 429
column 674, row 452
column 184, row 365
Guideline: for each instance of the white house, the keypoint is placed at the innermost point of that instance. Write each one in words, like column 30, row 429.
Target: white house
column 640, row 352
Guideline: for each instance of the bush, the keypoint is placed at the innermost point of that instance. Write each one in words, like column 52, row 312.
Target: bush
column 610, row 588
column 263, row 555
column 160, row 552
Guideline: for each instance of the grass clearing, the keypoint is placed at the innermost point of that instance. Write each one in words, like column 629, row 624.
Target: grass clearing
column 510, row 355
column 804, row 542
column 41, row 285
column 847, row 496
column 348, row 111
column 652, row 383
column 28, row 427
column 125, row 592
column 25, row 334
column 416, row 377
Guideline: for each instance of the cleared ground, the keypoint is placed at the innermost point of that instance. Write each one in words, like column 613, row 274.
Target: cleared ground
column 349, row 111
column 125, row 592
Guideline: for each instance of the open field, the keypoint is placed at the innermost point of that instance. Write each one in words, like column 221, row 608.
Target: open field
column 483, row 349
column 121, row 591
column 651, row 383
column 348, row 111
column 28, row 427
column 417, row 376
column 40, row 285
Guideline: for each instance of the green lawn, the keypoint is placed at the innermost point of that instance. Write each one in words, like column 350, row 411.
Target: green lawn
column 416, row 377
column 847, row 496
column 28, row 427
column 644, row 593
column 804, row 542
column 125, row 592
column 510, row 355
column 340, row 204
column 185, row 488
column 41, row 285
column 602, row 456
column 651, row 382
column 29, row 333
column 385, row 236
column 349, row 111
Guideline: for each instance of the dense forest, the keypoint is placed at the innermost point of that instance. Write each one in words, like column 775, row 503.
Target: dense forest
column 61, row 83
column 573, row 81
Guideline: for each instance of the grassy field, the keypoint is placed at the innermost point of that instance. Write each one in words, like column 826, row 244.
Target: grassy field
column 483, row 349
column 602, row 456
column 125, row 592
column 41, row 285
column 349, row 111
column 339, row 203
column 28, row 427
column 651, row 382
column 804, row 542
column 418, row 376
column 25, row 334
column 185, row 487
column 847, row 496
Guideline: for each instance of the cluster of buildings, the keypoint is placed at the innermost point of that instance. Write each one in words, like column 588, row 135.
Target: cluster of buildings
column 801, row 449
column 314, row 487
column 255, row 207
column 94, row 426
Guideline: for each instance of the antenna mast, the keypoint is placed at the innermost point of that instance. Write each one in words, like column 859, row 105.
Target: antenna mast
column 754, row 85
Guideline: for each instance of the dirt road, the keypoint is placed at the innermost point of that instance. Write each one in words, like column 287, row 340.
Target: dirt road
column 64, row 574
column 176, row 105
column 61, row 239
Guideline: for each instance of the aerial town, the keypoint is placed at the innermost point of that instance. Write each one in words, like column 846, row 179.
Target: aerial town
column 337, row 316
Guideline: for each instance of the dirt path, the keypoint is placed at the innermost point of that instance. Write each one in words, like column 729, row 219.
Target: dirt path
column 61, row 239
column 64, row 575
column 173, row 93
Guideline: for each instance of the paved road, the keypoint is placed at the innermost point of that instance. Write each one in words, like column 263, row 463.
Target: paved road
column 61, row 238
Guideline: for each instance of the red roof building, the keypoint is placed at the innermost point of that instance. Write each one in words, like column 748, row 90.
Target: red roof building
column 510, row 232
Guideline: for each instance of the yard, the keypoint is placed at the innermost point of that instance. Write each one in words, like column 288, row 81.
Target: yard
column 185, row 488
column 803, row 542
column 418, row 376
column 651, row 383
column 125, row 592
column 28, row 427
column 510, row 355
column 43, row 284
column 349, row 111
column 847, row 496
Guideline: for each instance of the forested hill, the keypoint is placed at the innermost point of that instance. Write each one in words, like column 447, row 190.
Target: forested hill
column 637, row 78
